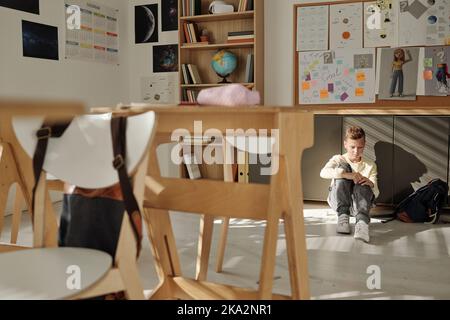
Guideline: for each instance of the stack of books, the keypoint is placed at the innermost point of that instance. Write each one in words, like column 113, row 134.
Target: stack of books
column 190, row 74
column 191, row 33
column 241, row 37
column 190, row 96
column 191, row 7
column 245, row 5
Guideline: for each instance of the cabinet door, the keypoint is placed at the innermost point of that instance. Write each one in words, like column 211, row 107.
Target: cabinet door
column 327, row 142
column 420, row 152
column 379, row 148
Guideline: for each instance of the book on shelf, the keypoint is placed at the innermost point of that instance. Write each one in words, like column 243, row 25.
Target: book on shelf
column 240, row 33
column 190, row 160
column 245, row 5
column 249, row 68
column 249, row 40
column 241, row 37
column 186, row 74
column 191, row 7
column 195, row 75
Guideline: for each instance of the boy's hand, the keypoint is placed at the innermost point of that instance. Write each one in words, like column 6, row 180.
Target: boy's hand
column 355, row 176
column 366, row 182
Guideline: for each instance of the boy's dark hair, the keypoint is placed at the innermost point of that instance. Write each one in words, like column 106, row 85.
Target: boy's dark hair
column 355, row 133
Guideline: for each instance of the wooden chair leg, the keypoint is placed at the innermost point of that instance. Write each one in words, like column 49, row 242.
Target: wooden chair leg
column 228, row 175
column 17, row 215
column 4, row 190
column 222, row 244
column 204, row 246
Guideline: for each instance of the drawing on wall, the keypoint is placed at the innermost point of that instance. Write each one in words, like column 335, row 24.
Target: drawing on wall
column 381, row 23
column 424, row 22
column 159, row 88
column 165, row 58
column 312, row 28
column 346, row 26
column 31, row 6
column 169, row 13
column 436, row 71
column 349, row 78
column 398, row 73
column 39, row 40
column 97, row 39
column 146, row 23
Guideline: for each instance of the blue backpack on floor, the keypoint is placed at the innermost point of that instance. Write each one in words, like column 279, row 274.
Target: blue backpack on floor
column 423, row 205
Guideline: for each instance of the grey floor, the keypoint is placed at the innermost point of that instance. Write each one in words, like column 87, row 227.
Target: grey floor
column 414, row 259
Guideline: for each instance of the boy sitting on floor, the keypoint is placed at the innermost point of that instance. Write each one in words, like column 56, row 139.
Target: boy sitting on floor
column 354, row 184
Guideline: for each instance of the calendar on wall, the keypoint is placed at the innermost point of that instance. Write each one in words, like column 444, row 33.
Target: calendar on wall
column 92, row 32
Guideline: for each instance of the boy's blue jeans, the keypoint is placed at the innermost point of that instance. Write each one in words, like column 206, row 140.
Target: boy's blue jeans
column 346, row 197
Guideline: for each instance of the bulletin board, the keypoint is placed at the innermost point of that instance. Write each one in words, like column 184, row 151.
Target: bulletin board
column 337, row 57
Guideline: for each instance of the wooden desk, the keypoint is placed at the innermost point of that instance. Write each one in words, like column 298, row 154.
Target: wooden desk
column 16, row 165
column 282, row 199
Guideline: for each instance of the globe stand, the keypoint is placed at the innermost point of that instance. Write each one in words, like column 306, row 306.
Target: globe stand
column 224, row 79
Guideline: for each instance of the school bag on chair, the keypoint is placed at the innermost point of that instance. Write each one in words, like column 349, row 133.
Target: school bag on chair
column 424, row 205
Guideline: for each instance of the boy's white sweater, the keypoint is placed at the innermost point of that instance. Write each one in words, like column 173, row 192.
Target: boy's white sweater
column 365, row 167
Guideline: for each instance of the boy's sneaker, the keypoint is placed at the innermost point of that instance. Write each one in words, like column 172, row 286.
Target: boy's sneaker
column 362, row 231
column 343, row 224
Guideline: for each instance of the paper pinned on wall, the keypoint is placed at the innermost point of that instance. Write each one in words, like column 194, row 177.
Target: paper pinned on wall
column 424, row 22
column 339, row 82
column 381, row 24
column 312, row 28
column 158, row 89
column 346, row 26
column 436, row 76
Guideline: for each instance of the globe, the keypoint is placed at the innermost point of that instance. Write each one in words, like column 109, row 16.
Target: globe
column 224, row 63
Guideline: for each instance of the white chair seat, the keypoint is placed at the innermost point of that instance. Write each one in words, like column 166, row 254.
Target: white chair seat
column 20, row 279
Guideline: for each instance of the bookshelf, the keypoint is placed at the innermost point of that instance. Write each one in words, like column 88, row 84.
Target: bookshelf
column 219, row 26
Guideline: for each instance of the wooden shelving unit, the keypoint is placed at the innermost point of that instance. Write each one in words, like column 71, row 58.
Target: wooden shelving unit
column 218, row 26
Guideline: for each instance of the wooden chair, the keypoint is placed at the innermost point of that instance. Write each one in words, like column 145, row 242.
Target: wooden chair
column 42, row 273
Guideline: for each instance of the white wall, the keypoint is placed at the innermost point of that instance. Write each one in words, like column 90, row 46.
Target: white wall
column 279, row 46
column 92, row 83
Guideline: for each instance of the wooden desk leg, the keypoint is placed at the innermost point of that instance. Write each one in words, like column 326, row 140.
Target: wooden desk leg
column 162, row 240
column 293, row 218
column 274, row 213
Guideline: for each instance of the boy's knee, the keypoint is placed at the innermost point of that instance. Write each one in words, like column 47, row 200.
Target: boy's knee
column 364, row 191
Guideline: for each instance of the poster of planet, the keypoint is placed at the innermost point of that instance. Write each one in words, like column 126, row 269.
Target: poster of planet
column 146, row 23
column 169, row 12
column 31, row 6
column 39, row 40
column 165, row 58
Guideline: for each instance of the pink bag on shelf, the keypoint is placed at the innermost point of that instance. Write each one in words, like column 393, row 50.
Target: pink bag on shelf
column 230, row 95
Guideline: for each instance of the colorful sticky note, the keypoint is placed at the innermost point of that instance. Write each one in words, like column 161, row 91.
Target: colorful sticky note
column 361, row 84
column 359, row 92
column 360, row 76
column 323, row 94
column 428, row 62
column 306, row 85
column 337, row 97
column 344, row 96
column 330, row 87
column 346, row 72
column 313, row 83
column 428, row 75
column 308, row 77
column 339, row 61
column 352, row 70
